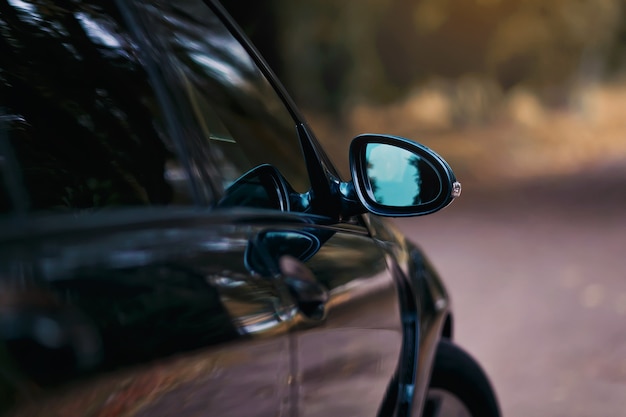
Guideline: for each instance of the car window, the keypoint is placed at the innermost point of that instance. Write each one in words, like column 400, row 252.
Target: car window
column 234, row 119
column 89, row 130
column 82, row 119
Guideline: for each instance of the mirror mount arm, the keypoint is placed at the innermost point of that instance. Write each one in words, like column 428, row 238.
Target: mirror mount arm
column 323, row 197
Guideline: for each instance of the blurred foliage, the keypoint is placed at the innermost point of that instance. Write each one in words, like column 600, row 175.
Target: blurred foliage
column 331, row 53
column 502, row 88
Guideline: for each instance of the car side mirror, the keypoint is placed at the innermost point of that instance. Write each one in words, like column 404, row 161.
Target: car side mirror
column 396, row 177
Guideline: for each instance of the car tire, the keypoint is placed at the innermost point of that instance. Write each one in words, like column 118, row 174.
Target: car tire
column 459, row 386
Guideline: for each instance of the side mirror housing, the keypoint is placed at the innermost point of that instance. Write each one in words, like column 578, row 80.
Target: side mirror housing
column 396, row 177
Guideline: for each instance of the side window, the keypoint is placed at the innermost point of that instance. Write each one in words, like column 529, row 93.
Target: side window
column 236, row 121
column 82, row 119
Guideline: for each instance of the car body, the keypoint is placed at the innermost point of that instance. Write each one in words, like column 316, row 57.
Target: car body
column 174, row 240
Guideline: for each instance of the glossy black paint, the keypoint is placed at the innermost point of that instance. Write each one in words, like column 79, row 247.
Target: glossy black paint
column 173, row 239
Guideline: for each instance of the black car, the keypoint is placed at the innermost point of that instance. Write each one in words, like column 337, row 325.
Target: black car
column 174, row 241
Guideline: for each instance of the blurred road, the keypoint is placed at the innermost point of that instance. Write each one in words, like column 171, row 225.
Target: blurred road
column 536, row 274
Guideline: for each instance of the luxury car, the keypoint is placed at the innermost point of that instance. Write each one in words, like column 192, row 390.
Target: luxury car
column 175, row 242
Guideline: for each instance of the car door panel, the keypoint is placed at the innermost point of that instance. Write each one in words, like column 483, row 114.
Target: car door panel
column 154, row 319
column 345, row 358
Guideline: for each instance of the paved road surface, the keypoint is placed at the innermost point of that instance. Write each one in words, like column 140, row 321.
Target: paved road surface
column 537, row 278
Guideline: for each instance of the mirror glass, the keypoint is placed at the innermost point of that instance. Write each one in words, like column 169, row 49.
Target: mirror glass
column 399, row 177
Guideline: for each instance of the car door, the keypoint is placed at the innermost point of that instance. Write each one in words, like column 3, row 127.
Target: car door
column 118, row 295
column 152, row 316
column 347, row 333
column 343, row 307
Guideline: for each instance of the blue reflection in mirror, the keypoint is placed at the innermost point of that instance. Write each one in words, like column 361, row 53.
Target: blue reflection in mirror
column 399, row 177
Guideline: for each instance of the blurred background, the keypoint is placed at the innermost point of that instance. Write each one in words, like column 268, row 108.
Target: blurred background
column 488, row 83
column 527, row 101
